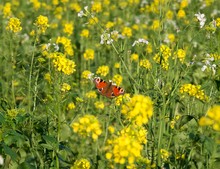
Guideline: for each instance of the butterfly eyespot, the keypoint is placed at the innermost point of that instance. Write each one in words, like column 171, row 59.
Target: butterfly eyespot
column 97, row 80
column 121, row 90
column 100, row 89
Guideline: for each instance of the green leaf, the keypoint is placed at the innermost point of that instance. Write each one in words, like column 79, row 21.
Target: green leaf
column 10, row 152
column 183, row 120
column 25, row 165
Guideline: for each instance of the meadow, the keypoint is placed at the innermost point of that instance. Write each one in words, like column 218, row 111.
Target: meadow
column 160, row 109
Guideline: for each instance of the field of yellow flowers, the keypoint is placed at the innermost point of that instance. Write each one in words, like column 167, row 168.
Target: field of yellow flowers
column 160, row 109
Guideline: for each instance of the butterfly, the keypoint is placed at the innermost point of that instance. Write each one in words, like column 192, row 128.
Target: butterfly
column 107, row 89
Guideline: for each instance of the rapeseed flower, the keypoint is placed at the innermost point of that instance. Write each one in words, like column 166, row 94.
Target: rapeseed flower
column 71, row 106
column 65, row 87
column 163, row 56
column 117, row 79
column 91, row 94
column 181, row 14
column 218, row 22
column 42, row 23
column 119, row 100
column 127, row 32
column 145, row 63
column 134, row 57
column 47, row 77
column 96, row 7
column 164, row 154
column 89, row 54
column 7, row 10
column 75, row 6
column 193, row 90
column 212, row 118
column 180, row 54
column 84, row 33
column 87, row 126
column 99, row 105
column 81, row 164
column 68, row 28
column 68, row 49
column 126, row 146
column 138, row 110
column 103, row 70
column 62, row 64
column 14, row 25
column 86, row 74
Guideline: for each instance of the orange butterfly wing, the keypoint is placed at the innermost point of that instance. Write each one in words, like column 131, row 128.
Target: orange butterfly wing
column 107, row 89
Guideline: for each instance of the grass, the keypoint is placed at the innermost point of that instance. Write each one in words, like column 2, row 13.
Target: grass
column 51, row 114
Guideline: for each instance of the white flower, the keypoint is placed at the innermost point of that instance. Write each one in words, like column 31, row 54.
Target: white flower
column 201, row 18
column 81, row 14
column 1, row 160
column 141, row 40
column 106, row 38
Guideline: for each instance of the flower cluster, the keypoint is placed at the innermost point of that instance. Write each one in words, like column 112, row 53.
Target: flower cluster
column 61, row 63
column 117, row 79
column 212, row 118
column 99, row 105
column 67, row 45
column 180, row 54
column 103, row 70
column 138, row 110
column 65, row 87
column 163, row 57
column 145, row 63
column 14, row 25
column 91, row 94
column 126, row 146
column 193, row 90
column 87, row 126
column 86, row 74
column 89, row 54
column 81, row 164
column 68, row 28
column 42, row 23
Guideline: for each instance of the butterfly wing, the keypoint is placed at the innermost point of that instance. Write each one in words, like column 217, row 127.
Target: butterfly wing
column 116, row 91
column 107, row 89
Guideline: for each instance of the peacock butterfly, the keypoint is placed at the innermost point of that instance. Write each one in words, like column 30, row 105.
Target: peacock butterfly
column 107, row 89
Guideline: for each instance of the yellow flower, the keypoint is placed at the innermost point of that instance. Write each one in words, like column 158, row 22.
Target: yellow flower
column 68, row 49
column 65, row 87
column 91, row 94
column 81, row 164
column 134, row 57
column 126, row 146
column 171, row 37
column 138, row 110
column 68, row 28
column 47, row 77
column 117, row 79
column 62, row 64
column 111, row 129
column 14, row 25
column 103, row 70
column 7, row 10
column 149, row 48
column 89, row 54
column 163, row 56
column 71, row 106
column 212, row 118
column 173, row 121
column 193, row 90
column 93, row 20
column 218, row 22
column 12, row 113
column 86, row 74
column 99, row 105
column 181, row 14
column 87, row 126
column 146, row 64
column 109, row 24
column 42, row 23
column 155, row 25
column 169, row 15
column 118, row 100
column 127, row 32
column 117, row 65
column 96, row 7
column 164, row 154
column 84, row 33
column 180, row 54
column 36, row 4
column 75, row 6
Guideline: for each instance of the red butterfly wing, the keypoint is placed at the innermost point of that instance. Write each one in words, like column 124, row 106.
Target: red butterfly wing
column 117, row 91
column 107, row 89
